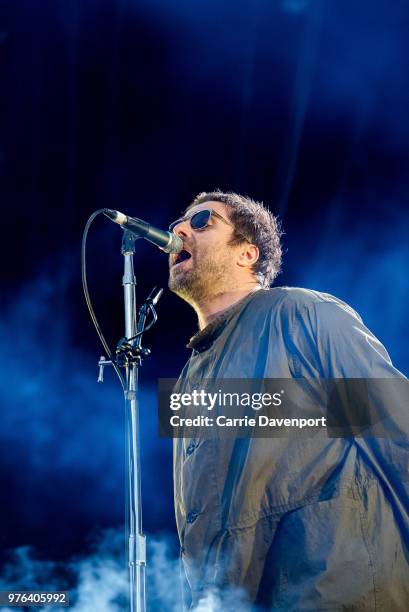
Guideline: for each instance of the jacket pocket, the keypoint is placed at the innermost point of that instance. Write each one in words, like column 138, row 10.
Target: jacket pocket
column 319, row 560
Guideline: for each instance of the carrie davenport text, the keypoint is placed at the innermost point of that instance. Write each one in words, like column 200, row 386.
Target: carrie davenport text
column 261, row 421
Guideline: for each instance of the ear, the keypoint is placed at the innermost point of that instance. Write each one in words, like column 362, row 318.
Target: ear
column 247, row 255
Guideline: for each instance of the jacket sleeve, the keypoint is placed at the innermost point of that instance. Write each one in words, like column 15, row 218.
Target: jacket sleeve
column 348, row 350
column 346, row 347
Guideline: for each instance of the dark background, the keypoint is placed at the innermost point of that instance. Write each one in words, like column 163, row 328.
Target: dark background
column 139, row 106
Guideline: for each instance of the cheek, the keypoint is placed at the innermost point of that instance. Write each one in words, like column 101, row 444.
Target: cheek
column 214, row 253
column 222, row 259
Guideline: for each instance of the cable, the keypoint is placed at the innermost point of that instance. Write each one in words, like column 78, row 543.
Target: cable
column 88, row 299
column 155, row 318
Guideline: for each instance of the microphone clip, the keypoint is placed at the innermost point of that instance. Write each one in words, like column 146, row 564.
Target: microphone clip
column 128, row 353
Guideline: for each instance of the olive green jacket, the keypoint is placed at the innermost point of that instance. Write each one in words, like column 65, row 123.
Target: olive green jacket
column 291, row 523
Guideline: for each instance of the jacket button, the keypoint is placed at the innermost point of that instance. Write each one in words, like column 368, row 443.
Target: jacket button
column 192, row 516
column 190, row 449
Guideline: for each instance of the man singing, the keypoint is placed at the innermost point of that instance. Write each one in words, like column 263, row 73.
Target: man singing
column 285, row 523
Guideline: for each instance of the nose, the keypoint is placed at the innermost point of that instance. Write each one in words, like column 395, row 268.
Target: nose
column 182, row 229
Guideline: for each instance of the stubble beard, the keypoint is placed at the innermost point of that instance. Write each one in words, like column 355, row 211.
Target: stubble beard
column 210, row 276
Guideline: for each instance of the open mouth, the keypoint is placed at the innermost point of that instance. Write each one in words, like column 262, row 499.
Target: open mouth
column 182, row 256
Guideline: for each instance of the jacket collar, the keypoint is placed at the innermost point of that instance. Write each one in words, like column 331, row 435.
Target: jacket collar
column 204, row 338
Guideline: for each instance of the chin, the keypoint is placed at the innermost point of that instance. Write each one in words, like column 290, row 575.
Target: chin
column 183, row 286
column 178, row 284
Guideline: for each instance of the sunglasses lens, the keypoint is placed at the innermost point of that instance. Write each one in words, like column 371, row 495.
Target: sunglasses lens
column 200, row 219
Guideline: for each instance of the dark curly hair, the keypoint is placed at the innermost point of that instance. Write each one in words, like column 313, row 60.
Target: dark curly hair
column 252, row 220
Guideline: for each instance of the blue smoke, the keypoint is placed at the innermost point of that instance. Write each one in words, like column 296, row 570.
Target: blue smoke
column 97, row 581
column 366, row 266
column 62, row 434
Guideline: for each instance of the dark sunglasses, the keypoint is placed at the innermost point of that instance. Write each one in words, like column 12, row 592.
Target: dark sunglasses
column 200, row 220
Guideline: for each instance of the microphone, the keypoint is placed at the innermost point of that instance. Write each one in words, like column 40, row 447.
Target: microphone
column 166, row 241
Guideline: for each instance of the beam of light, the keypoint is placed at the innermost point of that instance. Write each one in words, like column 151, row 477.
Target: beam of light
column 299, row 103
column 294, row 6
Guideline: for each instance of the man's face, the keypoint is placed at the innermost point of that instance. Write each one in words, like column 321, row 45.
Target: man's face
column 210, row 269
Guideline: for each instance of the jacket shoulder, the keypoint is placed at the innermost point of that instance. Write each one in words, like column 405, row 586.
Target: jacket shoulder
column 293, row 299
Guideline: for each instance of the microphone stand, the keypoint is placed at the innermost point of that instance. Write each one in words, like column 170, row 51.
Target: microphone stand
column 136, row 539
column 129, row 355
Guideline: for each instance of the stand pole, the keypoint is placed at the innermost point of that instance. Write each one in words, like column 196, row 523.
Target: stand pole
column 136, row 540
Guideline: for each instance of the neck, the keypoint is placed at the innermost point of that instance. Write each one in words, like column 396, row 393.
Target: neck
column 211, row 307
